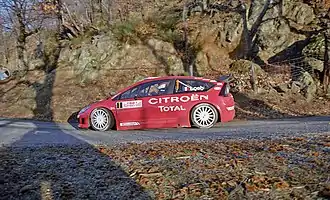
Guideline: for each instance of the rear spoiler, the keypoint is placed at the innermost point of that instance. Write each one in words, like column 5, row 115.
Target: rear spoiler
column 230, row 83
column 226, row 78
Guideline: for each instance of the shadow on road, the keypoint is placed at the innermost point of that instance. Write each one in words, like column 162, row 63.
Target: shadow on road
column 73, row 121
column 70, row 168
column 52, row 164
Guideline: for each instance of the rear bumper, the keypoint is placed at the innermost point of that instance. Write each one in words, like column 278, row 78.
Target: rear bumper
column 83, row 121
column 228, row 114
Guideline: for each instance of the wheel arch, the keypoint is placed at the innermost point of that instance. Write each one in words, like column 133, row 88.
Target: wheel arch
column 108, row 109
column 217, row 108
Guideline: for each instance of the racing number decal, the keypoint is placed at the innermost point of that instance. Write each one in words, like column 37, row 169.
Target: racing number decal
column 119, row 105
column 129, row 104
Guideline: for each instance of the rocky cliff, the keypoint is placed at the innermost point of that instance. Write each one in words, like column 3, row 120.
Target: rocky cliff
column 287, row 30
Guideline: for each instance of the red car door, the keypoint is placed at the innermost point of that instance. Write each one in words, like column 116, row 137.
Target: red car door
column 161, row 112
column 133, row 110
column 129, row 111
column 153, row 117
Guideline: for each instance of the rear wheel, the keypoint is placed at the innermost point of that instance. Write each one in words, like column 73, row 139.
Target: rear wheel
column 204, row 116
column 101, row 119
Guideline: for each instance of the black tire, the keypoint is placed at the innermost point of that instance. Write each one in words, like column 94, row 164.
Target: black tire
column 204, row 116
column 106, row 114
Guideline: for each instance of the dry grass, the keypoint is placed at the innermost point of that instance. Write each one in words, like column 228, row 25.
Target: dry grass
column 290, row 168
column 285, row 168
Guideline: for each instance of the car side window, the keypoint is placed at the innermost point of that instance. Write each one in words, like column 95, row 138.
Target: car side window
column 183, row 86
column 154, row 88
column 129, row 94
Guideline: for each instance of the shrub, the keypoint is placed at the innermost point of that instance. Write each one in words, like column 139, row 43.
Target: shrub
column 125, row 31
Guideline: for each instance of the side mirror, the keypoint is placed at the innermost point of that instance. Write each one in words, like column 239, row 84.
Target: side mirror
column 112, row 93
column 5, row 75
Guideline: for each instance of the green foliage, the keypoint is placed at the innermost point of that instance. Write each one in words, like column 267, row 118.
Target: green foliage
column 125, row 31
column 86, row 37
column 186, row 74
column 166, row 26
column 51, row 51
column 169, row 36
column 162, row 26
column 167, row 22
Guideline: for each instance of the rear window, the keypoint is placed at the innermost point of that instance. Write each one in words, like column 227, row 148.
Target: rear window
column 185, row 86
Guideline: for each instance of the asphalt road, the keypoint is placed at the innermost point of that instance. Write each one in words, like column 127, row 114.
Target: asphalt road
column 25, row 133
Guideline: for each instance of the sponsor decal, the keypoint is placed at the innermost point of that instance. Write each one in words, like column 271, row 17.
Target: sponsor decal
column 129, row 124
column 217, row 88
column 219, row 84
column 200, row 88
column 190, row 88
column 129, row 104
column 230, row 108
column 170, row 108
column 182, row 99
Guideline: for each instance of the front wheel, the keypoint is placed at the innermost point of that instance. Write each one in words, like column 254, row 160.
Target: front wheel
column 204, row 116
column 101, row 119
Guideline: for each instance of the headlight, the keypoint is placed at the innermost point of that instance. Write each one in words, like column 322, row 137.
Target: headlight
column 84, row 110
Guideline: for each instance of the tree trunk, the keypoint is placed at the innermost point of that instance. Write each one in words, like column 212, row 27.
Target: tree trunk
column 109, row 13
column 246, row 40
column 326, row 71
column 21, row 40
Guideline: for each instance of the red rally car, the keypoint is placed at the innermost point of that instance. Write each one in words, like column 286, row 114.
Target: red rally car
column 162, row 102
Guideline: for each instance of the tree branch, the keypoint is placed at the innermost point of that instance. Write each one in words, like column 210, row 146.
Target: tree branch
column 258, row 21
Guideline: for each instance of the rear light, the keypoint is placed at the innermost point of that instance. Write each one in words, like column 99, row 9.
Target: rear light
column 225, row 90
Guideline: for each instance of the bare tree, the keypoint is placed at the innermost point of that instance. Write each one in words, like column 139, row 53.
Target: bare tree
column 22, row 18
column 323, row 10
column 3, row 44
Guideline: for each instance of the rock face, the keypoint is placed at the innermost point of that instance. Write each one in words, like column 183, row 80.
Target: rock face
column 275, row 37
column 212, row 58
column 105, row 55
column 245, row 66
column 275, row 33
column 314, row 52
column 309, row 86
column 298, row 12
column 217, row 36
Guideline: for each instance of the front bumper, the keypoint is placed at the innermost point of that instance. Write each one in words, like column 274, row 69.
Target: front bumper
column 83, row 121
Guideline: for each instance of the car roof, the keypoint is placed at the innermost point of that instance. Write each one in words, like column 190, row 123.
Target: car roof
column 175, row 77
column 149, row 79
